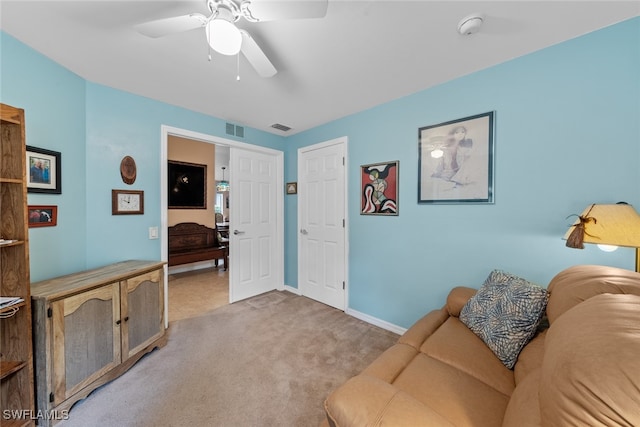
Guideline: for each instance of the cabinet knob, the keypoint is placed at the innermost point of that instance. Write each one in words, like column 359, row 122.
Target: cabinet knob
column 118, row 322
column 126, row 319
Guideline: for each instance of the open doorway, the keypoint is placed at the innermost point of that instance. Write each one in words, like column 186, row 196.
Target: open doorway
column 256, row 247
column 197, row 286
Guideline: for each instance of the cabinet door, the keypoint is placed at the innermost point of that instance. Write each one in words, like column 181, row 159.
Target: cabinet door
column 86, row 339
column 142, row 299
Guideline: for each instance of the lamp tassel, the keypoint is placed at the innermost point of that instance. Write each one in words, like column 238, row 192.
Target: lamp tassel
column 576, row 238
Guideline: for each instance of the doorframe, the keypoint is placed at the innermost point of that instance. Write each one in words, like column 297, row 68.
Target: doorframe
column 344, row 141
column 165, row 132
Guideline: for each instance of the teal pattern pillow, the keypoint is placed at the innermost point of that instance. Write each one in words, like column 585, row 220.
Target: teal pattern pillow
column 505, row 313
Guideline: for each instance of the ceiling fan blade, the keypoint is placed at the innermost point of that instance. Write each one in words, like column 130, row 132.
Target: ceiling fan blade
column 271, row 10
column 256, row 56
column 166, row 26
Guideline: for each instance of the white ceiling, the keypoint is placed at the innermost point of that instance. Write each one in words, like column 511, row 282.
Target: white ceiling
column 363, row 53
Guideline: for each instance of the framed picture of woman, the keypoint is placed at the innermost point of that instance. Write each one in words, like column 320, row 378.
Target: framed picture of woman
column 455, row 161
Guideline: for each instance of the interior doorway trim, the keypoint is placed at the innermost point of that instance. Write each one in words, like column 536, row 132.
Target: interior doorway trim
column 165, row 132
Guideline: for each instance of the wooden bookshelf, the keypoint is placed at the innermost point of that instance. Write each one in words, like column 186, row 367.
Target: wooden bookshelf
column 16, row 353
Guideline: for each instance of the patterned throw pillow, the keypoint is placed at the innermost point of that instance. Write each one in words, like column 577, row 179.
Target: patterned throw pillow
column 505, row 314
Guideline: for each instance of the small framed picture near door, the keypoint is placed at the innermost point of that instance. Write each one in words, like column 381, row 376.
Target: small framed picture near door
column 455, row 162
column 292, row 188
column 379, row 188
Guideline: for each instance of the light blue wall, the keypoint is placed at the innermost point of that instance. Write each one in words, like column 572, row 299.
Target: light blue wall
column 94, row 126
column 567, row 135
column 54, row 102
column 120, row 124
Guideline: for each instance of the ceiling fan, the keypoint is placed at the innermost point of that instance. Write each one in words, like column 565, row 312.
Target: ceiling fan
column 222, row 34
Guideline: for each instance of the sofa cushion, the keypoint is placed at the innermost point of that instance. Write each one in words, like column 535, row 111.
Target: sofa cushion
column 581, row 282
column 454, row 344
column 423, row 328
column 505, row 314
column 391, row 362
column 524, row 407
column 454, row 394
column 369, row 401
column 591, row 364
column 530, row 357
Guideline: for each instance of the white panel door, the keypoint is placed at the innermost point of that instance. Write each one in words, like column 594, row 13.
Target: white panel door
column 321, row 221
column 252, row 229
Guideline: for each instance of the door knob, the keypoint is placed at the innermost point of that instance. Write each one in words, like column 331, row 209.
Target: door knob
column 303, row 231
column 237, row 232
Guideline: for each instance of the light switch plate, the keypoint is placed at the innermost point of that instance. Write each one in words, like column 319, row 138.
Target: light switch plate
column 153, row 232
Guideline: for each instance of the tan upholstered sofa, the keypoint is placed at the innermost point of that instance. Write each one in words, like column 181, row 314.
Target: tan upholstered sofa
column 584, row 370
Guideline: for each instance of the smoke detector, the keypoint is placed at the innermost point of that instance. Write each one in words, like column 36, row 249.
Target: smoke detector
column 470, row 24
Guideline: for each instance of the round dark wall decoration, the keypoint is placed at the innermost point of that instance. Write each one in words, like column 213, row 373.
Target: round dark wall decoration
column 128, row 170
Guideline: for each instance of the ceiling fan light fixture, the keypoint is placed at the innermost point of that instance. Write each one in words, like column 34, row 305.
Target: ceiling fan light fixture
column 223, row 36
column 245, row 9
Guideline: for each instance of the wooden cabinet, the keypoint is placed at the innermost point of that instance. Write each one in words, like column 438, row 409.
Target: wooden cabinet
column 16, row 360
column 90, row 327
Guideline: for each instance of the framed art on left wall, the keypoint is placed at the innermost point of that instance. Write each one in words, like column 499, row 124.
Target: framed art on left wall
column 44, row 171
column 43, row 216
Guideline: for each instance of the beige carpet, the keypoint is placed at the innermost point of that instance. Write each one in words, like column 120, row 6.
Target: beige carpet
column 267, row 361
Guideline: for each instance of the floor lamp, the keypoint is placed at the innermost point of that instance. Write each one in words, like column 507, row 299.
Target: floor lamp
column 608, row 226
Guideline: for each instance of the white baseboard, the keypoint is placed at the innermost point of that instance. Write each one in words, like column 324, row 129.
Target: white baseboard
column 292, row 289
column 375, row 321
column 358, row 315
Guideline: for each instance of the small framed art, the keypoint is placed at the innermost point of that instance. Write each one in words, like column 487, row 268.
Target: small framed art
column 127, row 202
column 455, row 161
column 292, row 188
column 379, row 188
column 44, row 171
column 43, row 216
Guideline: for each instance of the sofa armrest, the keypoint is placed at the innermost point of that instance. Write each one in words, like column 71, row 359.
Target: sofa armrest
column 457, row 298
column 369, row 401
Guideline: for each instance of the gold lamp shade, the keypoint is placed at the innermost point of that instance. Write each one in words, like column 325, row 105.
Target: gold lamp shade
column 617, row 224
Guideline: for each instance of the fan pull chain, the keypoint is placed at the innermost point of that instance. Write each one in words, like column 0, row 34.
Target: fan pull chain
column 238, row 66
column 209, row 53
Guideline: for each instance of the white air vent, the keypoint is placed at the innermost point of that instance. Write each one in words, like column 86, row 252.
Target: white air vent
column 281, row 127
